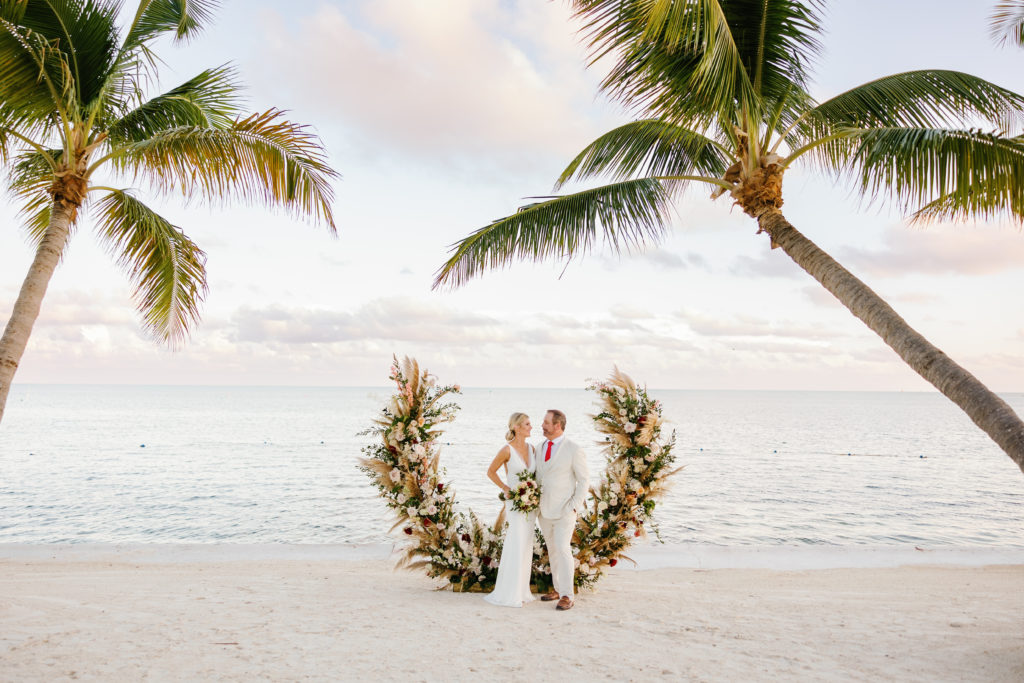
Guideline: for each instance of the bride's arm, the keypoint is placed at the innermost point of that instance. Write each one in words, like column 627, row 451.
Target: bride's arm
column 492, row 472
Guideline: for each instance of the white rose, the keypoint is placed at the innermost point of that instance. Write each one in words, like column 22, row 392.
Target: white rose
column 402, row 498
column 440, row 526
column 432, row 510
column 419, row 450
column 411, row 511
column 629, row 427
column 395, row 474
column 602, row 506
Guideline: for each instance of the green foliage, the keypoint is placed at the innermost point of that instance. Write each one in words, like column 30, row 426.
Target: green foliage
column 168, row 269
column 73, row 104
column 722, row 90
column 624, row 214
column 1007, row 23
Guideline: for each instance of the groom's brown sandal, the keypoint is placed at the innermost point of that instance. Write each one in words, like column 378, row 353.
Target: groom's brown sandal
column 565, row 603
column 549, row 596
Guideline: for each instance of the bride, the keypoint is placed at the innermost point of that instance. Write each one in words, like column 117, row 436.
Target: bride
column 512, row 588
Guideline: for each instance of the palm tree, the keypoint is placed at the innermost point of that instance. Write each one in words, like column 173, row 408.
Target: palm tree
column 1007, row 23
column 722, row 88
column 72, row 106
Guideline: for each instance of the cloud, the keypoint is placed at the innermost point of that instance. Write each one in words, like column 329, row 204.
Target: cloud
column 774, row 263
column 396, row 318
column 748, row 326
column 939, row 252
column 439, row 80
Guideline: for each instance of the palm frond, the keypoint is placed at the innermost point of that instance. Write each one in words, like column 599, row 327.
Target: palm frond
column 29, row 181
column 209, row 100
column 85, row 33
column 184, row 18
column 919, row 99
column 167, row 269
column 1007, row 22
column 262, row 158
column 960, row 172
column 34, row 77
column 694, row 61
column 648, row 147
column 625, row 215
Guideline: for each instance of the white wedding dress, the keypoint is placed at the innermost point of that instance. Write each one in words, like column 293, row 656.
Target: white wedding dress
column 512, row 589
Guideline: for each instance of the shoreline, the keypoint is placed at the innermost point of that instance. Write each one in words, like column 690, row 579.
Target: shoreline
column 123, row 617
column 647, row 557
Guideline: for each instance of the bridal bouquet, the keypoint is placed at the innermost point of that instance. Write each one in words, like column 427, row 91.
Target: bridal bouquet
column 524, row 496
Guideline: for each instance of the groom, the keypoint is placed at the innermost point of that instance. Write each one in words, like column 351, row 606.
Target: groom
column 564, row 481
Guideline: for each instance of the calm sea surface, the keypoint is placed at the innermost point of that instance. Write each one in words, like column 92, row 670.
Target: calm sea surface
column 128, row 464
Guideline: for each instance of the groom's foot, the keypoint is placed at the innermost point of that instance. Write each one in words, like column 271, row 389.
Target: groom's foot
column 549, row 596
column 565, row 603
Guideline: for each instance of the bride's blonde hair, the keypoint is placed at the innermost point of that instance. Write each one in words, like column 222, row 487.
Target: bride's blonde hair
column 514, row 421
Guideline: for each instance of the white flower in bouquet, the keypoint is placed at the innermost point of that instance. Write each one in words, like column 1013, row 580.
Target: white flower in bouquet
column 440, row 526
column 431, row 509
column 395, row 474
column 614, row 487
column 614, row 500
column 634, row 484
column 419, row 450
column 629, row 427
column 401, row 498
column 411, row 511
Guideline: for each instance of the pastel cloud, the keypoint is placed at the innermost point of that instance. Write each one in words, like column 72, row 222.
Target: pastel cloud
column 748, row 326
column 963, row 251
column 483, row 79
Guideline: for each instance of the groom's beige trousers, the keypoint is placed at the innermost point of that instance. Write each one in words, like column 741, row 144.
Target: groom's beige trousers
column 558, row 538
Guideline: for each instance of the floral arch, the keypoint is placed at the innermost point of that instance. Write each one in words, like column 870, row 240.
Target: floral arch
column 403, row 463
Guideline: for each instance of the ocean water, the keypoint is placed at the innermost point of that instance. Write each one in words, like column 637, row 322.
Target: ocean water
column 258, row 465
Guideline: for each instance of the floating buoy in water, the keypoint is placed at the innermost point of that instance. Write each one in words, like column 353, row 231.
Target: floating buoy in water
column 142, row 445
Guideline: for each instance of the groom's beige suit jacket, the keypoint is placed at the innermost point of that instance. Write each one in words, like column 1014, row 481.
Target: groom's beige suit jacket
column 564, row 480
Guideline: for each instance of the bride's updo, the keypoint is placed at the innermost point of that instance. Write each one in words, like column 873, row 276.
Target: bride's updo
column 514, row 421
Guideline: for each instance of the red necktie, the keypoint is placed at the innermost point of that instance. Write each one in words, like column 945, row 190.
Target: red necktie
column 547, row 456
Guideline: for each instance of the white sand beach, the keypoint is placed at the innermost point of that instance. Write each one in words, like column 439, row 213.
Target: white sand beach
column 129, row 614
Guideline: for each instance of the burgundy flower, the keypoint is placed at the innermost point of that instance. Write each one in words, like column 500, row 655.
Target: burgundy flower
column 612, row 562
column 392, row 449
column 530, row 484
column 426, row 521
column 486, row 560
column 408, row 530
column 440, row 488
column 466, row 538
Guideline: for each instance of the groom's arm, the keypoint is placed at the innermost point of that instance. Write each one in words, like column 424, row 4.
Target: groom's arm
column 582, row 475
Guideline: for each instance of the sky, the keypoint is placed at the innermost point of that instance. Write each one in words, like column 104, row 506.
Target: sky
column 443, row 115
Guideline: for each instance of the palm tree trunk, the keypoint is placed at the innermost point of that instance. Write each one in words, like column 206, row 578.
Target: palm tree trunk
column 988, row 411
column 30, row 298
